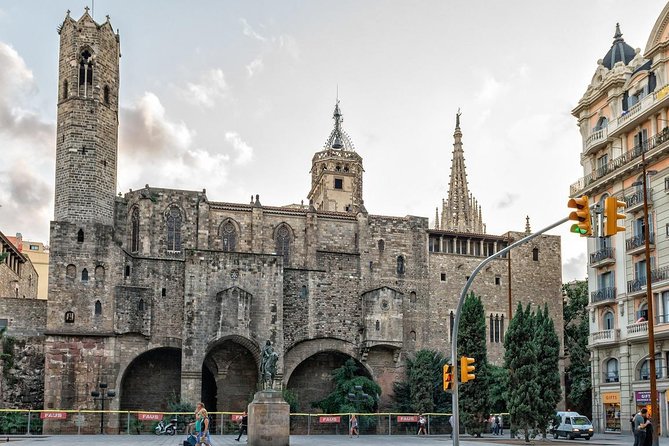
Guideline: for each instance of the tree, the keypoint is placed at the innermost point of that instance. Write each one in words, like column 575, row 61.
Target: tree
column 424, row 378
column 520, row 358
column 345, row 379
column 498, row 378
column 577, row 374
column 548, row 376
column 472, row 343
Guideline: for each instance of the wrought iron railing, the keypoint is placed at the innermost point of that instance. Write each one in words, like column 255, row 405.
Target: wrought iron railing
column 620, row 161
column 603, row 294
column 602, row 254
column 639, row 240
column 656, row 275
column 636, row 198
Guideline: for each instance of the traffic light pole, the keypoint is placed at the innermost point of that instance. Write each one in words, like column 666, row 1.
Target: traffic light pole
column 454, row 337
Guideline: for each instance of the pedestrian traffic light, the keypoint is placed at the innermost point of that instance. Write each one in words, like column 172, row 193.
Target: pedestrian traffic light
column 581, row 215
column 611, row 205
column 448, row 377
column 466, row 369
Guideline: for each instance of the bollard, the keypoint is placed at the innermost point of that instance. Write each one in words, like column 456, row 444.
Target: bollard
column 29, row 416
column 309, row 424
column 128, row 428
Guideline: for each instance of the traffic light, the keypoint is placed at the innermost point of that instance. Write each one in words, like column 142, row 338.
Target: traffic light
column 466, row 369
column 581, row 215
column 611, row 205
column 448, row 377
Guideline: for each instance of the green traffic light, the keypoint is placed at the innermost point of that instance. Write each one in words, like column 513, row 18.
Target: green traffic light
column 575, row 229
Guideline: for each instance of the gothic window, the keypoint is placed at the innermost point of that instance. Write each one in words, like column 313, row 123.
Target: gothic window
column 69, row 317
column 535, row 254
column 65, row 92
column 412, row 335
column 400, row 265
column 378, row 325
column 140, row 307
column 497, row 328
column 412, row 297
column 283, row 240
column 304, row 292
column 70, row 271
column 80, row 236
column 174, row 229
column 492, row 337
column 106, row 94
column 163, row 292
column 98, row 308
column 382, row 246
column 86, row 68
column 134, row 231
column 84, row 275
column 229, row 236
column 99, row 273
column 127, row 271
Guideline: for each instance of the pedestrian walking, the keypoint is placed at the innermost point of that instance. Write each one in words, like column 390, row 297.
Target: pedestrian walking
column 495, row 425
column 202, row 425
column 649, row 432
column 500, row 423
column 422, row 423
column 353, row 427
column 243, row 425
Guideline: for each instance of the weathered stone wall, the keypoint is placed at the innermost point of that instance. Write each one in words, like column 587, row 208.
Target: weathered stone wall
column 23, row 284
column 26, row 318
column 22, row 373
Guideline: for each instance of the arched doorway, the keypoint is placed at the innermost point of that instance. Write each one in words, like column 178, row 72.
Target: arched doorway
column 152, row 380
column 312, row 381
column 229, row 377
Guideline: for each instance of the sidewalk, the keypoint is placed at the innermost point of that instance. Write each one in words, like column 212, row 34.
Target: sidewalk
column 320, row 440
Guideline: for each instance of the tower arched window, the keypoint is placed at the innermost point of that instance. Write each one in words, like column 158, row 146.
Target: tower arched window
column 84, row 275
column 382, row 246
column 98, row 308
column 535, row 254
column 400, row 265
column 105, row 94
column 80, row 236
column 283, row 242
column 86, row 72
column 140, row 306
column 134, row 231
column 174, row 229
column 65, row 89
column 229, row 236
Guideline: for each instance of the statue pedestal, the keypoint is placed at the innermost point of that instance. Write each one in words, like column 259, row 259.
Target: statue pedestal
column 269, row 420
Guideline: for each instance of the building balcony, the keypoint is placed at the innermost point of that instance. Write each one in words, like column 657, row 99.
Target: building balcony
column 596, row 139
column 603, row 257
column 603, row 295
column 604, row 337
column 638, row 285
column 637, row 245
column 623, row 163
column 634, row 201
column 638, row 330
column 612, row 377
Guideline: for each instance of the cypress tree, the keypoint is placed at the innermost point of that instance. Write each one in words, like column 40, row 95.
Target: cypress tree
column 421, row 381
column 548, row 376
column 520, row 357
column 474, row 400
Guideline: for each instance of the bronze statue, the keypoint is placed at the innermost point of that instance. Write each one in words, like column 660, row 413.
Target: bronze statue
column 268, row 365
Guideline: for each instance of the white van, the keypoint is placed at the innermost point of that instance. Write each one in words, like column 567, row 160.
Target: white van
column 572, row 425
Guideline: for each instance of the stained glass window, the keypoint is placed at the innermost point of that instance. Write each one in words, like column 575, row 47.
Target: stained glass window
column 283, row 240
column 134, row 234
column 174, row 229
column 229, row 237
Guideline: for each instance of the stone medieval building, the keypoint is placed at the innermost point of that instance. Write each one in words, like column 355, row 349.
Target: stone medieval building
column 163, row 293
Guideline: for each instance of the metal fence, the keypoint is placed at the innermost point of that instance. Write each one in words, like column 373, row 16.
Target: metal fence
column 69, row 422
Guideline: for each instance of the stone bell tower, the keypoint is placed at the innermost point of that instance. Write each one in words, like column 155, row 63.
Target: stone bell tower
column 336, row 173
column 87, row 123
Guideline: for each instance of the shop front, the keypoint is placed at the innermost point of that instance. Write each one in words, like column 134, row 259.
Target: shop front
column 611, row 401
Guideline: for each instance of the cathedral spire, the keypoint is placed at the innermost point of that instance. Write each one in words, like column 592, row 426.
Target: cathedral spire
column 461, row 211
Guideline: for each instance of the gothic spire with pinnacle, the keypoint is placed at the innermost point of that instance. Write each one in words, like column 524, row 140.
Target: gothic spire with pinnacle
column 461, row 211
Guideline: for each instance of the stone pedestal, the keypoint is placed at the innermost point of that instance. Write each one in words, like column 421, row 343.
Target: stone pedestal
column 269, row 420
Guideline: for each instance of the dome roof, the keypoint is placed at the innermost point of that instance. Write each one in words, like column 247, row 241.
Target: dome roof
column 619, row 52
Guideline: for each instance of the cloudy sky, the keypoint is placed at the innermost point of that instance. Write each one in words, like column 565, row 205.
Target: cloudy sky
column 236, row 97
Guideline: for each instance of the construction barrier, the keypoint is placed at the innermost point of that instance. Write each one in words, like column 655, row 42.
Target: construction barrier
column 70, row 422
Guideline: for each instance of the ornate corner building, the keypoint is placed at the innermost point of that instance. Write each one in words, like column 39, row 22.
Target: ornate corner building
column 622, row 116
column 162, row 291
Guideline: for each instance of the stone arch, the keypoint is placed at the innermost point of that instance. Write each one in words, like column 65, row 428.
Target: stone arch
column 230, row 373
column 71, row 271
column 311, row 378
column 159, row 368
column 303, row 350
column 99, row 273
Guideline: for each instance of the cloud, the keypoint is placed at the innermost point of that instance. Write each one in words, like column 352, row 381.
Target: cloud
column 212, row 86
column 574, row 268
column 491, row 89
column 244, row 151
column 507, row 200
column 17, row 87
column 249, row 31
column 255, row 66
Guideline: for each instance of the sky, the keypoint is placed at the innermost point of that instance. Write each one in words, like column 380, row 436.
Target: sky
column 235, row 97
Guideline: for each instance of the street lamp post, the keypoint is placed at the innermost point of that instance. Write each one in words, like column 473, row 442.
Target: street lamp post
column 649, row 299
column 102, row 396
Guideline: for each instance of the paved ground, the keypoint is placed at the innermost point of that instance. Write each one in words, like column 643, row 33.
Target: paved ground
column 319, row 440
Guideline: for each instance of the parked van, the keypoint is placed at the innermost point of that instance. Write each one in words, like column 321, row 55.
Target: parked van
column 572, row 425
